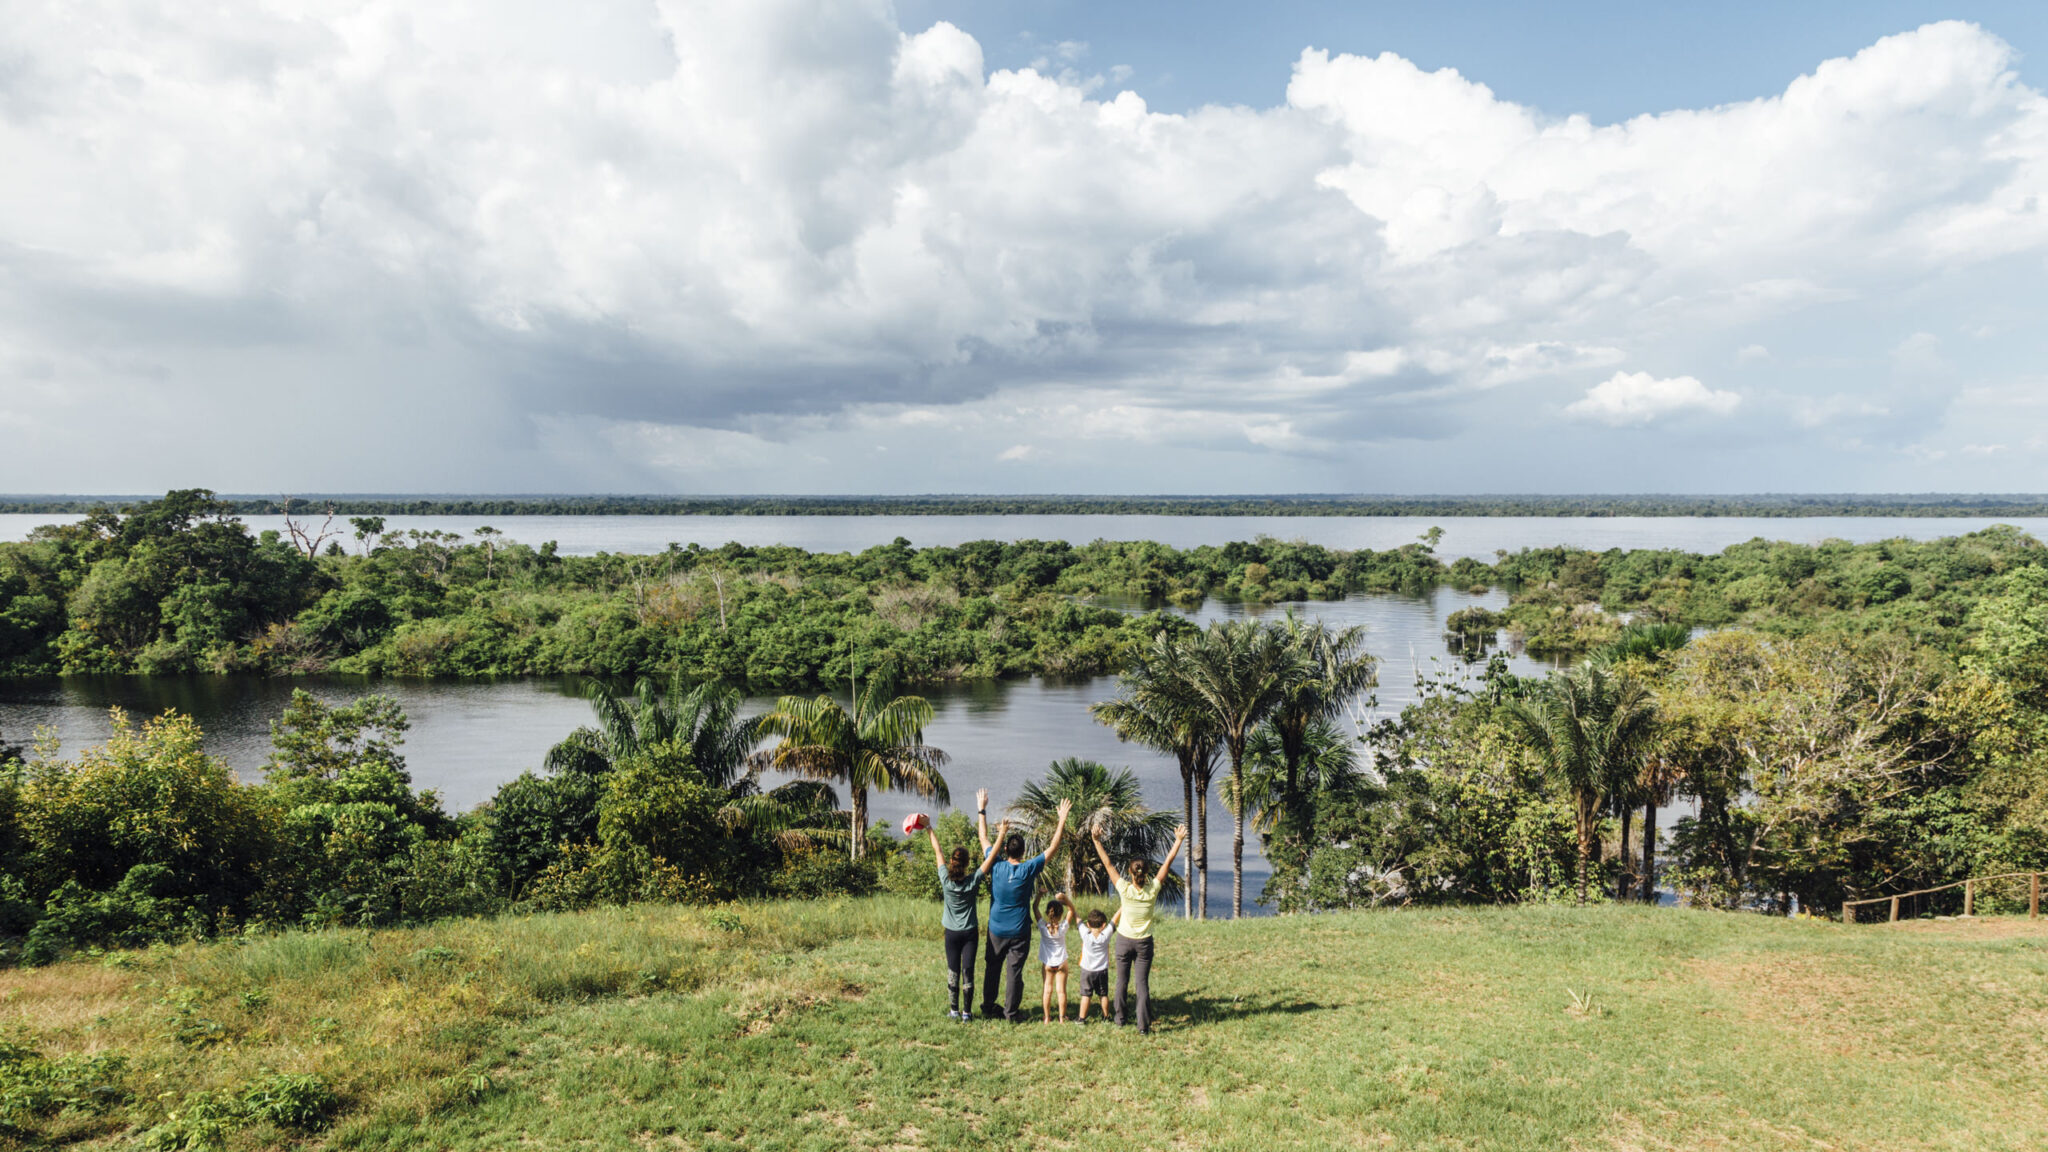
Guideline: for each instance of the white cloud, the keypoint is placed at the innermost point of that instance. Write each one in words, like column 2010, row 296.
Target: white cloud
column 355, row 243
column 1752, row 354
column 1015, row 453
column 1639, row 398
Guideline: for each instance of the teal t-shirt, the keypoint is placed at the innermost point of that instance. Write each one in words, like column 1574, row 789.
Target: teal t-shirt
column 1010, row 895
column 959, row 900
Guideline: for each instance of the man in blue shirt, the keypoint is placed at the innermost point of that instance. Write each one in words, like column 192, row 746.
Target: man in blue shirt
column 1011, row 882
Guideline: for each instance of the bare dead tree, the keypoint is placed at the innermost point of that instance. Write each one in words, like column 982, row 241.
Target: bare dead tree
column 304, row 539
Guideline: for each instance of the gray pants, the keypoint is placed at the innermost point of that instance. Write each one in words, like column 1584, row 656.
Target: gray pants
column 1005, row 957
column 1134, row 957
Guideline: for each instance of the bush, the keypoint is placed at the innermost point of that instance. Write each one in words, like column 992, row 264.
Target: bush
column 140, row 910
column 301, row 1103
column 151, row 797
column 809, row 873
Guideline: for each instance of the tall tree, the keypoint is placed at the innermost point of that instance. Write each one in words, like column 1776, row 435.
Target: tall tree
column 1154, row 708
column 878, row 744
column 1239, row 670
column 1334, row 670
column 1641, row 648
column 1592, row 726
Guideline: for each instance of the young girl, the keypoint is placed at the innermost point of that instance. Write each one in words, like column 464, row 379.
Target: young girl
column 1095, row 936
column 1052, row 952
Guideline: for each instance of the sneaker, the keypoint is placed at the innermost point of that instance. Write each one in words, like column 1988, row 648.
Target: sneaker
column 952, row 1015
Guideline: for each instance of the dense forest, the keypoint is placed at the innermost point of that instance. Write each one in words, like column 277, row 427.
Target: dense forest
column 1843, row 720
column 1763, row 504
column 179, row 585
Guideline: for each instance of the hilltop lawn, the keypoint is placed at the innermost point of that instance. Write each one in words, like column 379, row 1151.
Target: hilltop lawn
column 821, row 1026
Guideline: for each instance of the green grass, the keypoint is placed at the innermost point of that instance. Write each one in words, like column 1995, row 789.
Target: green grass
column 821, row 1026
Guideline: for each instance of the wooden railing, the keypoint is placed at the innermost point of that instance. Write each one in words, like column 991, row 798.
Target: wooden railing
column 1969, row 888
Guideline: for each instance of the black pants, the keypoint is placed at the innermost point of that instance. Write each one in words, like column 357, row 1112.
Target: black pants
column 1134, row 958
column 960, row 970
column 1009, row 952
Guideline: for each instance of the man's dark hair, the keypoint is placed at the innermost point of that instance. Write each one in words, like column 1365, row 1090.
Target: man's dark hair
column 1013, row 846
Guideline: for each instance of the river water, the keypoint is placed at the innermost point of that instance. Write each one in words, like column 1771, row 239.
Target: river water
column 468, row 738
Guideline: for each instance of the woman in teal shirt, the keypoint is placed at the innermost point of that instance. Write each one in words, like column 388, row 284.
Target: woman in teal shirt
column 959, row 889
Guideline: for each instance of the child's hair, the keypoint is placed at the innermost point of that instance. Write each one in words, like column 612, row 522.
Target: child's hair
column 1096, row 919
column 956, row 865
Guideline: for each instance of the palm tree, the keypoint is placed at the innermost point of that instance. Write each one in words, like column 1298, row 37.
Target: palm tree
column 1105, row 803
column 1327, row 763
column 1591, row 727
column 879, row 745
column 1238, row 670
column 705, row 718
column 704, row 722
column 1643, row 644
column 1154, row 709
column 1335, row 669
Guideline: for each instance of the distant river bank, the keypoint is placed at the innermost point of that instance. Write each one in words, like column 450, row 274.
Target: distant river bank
column 1478, row 537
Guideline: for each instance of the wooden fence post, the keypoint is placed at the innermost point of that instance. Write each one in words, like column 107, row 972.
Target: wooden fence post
column 1969, row 897
column 1848, row 913
column 2034, row 896
column 1895, row 909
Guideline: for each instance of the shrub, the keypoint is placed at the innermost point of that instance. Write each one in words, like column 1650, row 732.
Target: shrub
column 809, row 872
column 303, row 1103
column 151, row 797
column 140, row 910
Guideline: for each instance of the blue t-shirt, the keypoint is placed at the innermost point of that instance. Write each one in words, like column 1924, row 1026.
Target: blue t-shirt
column 1009, row 906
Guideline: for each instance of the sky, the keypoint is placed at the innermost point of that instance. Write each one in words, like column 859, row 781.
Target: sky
column 844, row 246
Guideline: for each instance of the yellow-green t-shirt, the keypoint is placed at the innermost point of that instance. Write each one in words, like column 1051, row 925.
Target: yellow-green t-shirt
column 1137, row 918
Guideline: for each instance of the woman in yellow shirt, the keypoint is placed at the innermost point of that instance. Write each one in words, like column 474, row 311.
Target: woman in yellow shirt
column 1134, row 931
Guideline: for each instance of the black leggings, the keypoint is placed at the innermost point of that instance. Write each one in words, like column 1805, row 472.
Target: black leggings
column 960, row 970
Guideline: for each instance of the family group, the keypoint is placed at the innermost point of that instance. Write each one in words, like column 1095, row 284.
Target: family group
column 1014, row 910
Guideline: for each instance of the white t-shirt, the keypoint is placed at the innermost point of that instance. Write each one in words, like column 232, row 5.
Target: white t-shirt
column 1095, row 948
column 1052, row 944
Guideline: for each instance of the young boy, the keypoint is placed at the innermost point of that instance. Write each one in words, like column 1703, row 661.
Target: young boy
column 1096, row 933
column 1052, row 952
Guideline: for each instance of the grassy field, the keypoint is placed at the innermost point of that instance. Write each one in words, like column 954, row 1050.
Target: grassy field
column 821, row 1026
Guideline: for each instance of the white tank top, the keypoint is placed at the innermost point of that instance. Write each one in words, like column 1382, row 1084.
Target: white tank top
column 1052, row 944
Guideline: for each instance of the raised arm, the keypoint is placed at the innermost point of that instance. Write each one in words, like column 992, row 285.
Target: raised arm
column 1059, row 832
column 988, row 854
column 938, row 855
column 981, row 817
column 1108, row 865
column 1180, row 836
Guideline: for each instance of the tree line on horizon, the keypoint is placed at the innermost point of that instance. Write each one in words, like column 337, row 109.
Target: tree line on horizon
column 1773, row 505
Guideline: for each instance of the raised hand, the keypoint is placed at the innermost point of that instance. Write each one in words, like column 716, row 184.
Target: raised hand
column 981, row 799
column 1066, row 806
column 1180, row 832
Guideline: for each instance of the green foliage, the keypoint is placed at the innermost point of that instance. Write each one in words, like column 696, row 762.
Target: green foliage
column 147, row 834
column 1106, row 803
column 34, row 1089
